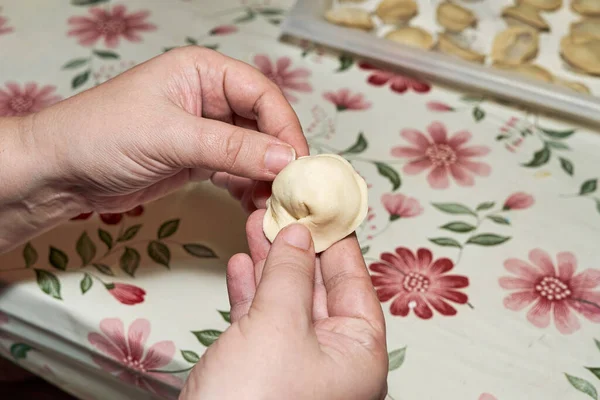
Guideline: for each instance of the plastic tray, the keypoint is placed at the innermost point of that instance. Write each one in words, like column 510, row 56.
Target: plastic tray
column 306, row 21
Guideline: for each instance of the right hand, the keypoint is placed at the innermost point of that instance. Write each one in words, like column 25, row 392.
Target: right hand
column 302, row 327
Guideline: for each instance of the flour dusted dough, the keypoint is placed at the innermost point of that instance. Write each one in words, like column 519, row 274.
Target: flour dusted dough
column 323, row 193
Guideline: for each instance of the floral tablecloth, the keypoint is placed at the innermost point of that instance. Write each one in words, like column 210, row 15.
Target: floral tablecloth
column 482, row 236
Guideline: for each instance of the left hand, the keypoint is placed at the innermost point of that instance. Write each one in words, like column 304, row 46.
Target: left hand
column 186, row 115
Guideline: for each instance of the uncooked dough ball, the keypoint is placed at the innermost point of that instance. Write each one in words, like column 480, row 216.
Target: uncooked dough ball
column 323, row 193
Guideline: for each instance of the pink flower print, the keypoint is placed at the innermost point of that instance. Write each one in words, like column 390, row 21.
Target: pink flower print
column 401, row 206
column 559, row 292
column 518, row 201
column 343, row 100
column 443, row 156
column 418, row 282
column 224, row 30
column 439, row 106
column 487, row 396
column 110, row 25
column 129, row 350
column 4, row 28
column 17, row 101
column 398, row 83
column 288, row 80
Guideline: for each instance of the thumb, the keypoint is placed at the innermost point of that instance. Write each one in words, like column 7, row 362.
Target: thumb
column 287, row 283
column 219, row 146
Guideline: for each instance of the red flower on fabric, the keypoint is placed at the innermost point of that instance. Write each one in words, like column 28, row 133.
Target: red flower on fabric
column 112, row 218
column 443, row 156
column 401, row 206
column 224, row 30
column 4, row 28
column 282, row 75
column 557, row 291
column 418, row 282
column 398, row 83
column 343, row 100
column 17, row 101
column 110, row 25
column 439, row 106
column 518, row 201
column 126, row 294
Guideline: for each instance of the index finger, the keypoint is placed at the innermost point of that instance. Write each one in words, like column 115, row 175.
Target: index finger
column 252, row 95
column 350, row 292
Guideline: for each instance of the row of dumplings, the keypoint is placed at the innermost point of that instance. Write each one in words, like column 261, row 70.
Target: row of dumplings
column 514, row 48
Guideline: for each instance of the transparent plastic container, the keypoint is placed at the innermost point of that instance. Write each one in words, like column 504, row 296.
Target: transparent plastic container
column 306, row 21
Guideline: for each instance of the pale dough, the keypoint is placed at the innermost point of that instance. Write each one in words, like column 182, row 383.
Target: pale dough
column 323, row 193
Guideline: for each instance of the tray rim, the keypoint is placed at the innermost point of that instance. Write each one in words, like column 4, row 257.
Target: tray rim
column 305, row 21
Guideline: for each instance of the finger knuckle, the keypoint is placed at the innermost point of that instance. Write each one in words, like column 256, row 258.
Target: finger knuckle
column 292, row 268
column 234, row 146
column 342, row 278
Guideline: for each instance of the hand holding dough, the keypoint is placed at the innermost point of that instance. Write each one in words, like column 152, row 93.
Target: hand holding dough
column 323, row 193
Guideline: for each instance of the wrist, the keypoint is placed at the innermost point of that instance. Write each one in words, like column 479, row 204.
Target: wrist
column 33, row 196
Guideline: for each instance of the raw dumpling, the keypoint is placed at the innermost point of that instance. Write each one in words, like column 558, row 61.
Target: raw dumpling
column 323, row 193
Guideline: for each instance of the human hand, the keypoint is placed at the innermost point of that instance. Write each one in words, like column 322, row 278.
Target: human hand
column 302, row 327
column 186, row 115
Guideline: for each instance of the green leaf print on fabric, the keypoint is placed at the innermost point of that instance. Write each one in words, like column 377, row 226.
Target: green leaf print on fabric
column 390, row 173
column 557, row 134
column 453, row 208
column 458, row 227
column 588, row 187
column 80, row 79
column 168, row 228
column 346, row 62
column 540, row 158
column 446, row 242
column 396, row 359
column 595, row 371
column 190, row 356
column 567, row 165
column 208, row 336
column 478, row 114
column 499, row 220
column 105, row 237
column 30, row 255
column 76, row 63
column 105, row 54
column 250, row 15
column 48, row 283
column 226, row 316
column 487, row 239
column 159, row 252
column 58, row 259
column 129, row 233
column 85, row 248
column 358, row 147
column 583, row 386
column 86, row 283
column 19, row 350
column 103, row 269
column 130, row 261
column 199, row 250
column 485, row 206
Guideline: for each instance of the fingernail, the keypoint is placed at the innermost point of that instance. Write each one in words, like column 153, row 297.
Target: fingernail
column 278, row 156
column 297, row 236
